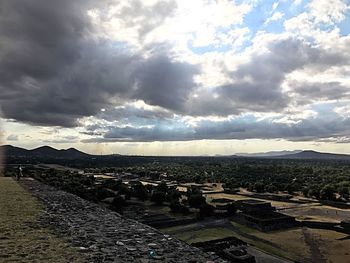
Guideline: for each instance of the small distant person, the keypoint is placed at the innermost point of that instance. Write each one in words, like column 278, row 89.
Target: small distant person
column 19, row 173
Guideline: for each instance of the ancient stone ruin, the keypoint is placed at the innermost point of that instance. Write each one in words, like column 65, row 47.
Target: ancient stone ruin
column 102, row 235
column 262, row 216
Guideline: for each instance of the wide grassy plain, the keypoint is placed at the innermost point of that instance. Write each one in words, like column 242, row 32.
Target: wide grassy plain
column 21, row 238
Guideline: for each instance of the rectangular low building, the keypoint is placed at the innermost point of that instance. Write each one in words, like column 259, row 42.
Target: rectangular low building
column 254, row 206
column 262, row 216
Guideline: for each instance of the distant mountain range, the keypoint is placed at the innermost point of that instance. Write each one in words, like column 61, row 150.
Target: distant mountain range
column 42, row 152
column 48, row 152
column 315, row 155
column 268, row 154
column 298, row 154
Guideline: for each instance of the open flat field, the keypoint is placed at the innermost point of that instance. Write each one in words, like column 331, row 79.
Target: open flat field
column 309, row 211
column 21, row 238
column 277, row 204
column 305, row 244
column 319, row 213
column 301, row 244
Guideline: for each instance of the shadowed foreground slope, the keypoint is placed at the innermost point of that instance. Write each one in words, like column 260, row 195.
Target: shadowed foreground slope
column 22, row 239
column 102, row 235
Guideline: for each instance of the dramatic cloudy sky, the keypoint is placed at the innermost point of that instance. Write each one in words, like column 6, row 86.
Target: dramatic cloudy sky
column 176, row 76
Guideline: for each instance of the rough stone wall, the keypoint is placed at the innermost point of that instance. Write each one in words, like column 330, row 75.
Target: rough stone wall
column 105, row 236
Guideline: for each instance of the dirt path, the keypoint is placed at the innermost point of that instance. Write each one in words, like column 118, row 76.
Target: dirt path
column 316, row 255
column 21, row 238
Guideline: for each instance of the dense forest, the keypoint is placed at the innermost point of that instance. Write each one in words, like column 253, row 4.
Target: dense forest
column 321, row 179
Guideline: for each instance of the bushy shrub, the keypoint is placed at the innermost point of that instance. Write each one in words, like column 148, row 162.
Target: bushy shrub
column 118, row 203
column 103, row 193
column 206, row 210
column 139, row 191
column 173, row 195
column 175, row 207
column 231, row 209
column 158, row 197
column 196, row 200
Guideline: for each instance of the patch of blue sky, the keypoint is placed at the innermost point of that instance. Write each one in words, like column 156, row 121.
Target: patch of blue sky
column 289, row 10
column 275, row 27
column 210, row 48
column 324, row 109
column 256, row 18
column 344, row 26
column 294, row 9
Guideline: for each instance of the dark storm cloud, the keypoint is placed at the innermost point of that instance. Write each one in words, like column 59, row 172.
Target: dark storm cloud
column 52, row 71
column 172, row 86
column 40, row 40
column 257, row 85
column 130, row 112
column 155, row 133
column 242, row 128
column 307, row 92
column 81, row 89
column 258, row 82
column 307, row 129
column 39, row 37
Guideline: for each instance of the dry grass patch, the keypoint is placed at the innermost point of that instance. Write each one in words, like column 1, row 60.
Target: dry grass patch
column 20, row 241
column 235, row 197
column 332, row 245
column 204, row 235
column 304, row 244
column 320, row 213
column 291, row 241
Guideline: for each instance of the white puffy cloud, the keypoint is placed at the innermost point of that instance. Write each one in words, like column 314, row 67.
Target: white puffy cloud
column 343, row 111
column 328, row 11
column 275, row 17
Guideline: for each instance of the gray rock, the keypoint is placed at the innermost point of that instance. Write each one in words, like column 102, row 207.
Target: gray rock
column 105, row 236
